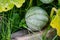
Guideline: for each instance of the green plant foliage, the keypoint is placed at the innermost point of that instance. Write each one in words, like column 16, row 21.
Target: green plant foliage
column 15, row 20
column 59, row 2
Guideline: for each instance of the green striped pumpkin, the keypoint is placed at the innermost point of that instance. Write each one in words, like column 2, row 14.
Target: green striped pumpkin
column 46, row 1
column 36, row 18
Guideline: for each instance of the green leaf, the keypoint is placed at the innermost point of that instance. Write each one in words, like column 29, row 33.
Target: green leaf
column 59, row 2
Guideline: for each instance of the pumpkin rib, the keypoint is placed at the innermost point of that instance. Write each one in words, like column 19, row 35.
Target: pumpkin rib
column 33, row 25
column 38, row 9
column 39, row 19
column 34, row 14
column 39, row 28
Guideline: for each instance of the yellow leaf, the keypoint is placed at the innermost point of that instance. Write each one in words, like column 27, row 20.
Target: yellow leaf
column 58, row 31
column 55, row 23
column 5, row 5
column 18, row 3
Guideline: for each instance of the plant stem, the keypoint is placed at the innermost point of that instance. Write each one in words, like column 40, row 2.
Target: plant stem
column 30, row 4
column 8, row 27
column 54, row 37
column 8, row 32
column 44, row 34
column 58, row 2
column 2, row 29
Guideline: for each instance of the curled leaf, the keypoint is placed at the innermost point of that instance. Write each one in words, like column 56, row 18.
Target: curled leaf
column 55, row 23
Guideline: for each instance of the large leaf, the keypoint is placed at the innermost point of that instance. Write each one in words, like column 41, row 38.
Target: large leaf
column 55, row 23
column 5, row 5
